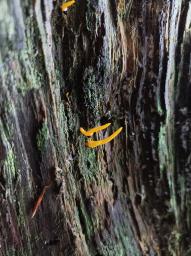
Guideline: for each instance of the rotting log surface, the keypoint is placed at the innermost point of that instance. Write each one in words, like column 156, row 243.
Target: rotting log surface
column 122, row 61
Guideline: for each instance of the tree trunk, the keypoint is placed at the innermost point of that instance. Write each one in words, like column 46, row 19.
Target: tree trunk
column 120, row 61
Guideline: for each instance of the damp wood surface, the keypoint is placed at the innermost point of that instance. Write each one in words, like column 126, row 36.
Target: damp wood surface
column 124, row 62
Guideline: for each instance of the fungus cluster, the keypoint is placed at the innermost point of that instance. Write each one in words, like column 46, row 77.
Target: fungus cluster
column 95, row 143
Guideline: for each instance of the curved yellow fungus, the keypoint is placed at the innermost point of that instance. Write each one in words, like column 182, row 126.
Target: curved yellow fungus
column 66, row 5
column 85, row 133
column 94, row 144
column 90, row 132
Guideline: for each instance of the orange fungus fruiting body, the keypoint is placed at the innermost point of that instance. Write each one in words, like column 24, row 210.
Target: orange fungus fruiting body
column 90, row 132
column 64, row 6
column 94, row 144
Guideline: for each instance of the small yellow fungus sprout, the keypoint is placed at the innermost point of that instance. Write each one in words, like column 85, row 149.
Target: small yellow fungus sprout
column 94, row 144
column 90, row 132
column 66, row 5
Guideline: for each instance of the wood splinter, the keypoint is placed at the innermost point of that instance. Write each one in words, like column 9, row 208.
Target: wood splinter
column 40, row 198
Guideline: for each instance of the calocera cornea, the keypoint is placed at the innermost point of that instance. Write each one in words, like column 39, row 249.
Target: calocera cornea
column 64, row 6
column 90, row 132
column 96, row 143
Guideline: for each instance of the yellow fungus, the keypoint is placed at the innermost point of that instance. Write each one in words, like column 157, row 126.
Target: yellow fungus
column 94, row 144
column 66, row 5
column 90, row 132
column 85, row 133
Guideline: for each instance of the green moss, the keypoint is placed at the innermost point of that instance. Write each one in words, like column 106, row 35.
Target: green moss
column 93, row 91
column 61, row 145
column 27, row 58
column 112, row 250
column 42, row 136
column 21, row 215
column 72, row 119
column 182, row 186
column 8, row 107
column 91, row 21
column 31, row 77
column 162, row 149
column 11, row 252
column 12, row 175
column 125, row 237
column 10, row 164
column 188, row 206
column 15, row 252
column 7, row 27
column 166, row 160
column 87, row 162
column 87, row 223
column 22, row 223
column 6, row 130
column 175, row 243
column 31, row 57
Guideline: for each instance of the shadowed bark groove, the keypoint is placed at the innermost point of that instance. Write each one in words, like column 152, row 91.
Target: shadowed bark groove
column 120, row 61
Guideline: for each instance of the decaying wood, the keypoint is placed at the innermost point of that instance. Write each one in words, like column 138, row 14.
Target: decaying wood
column 120, row 61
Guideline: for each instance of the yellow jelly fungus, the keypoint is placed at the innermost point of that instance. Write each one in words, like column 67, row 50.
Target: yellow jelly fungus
column 94, row 144
column 66, row 5
column 90, row 132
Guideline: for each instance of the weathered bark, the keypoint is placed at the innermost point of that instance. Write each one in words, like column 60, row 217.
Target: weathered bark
column 122, row 61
